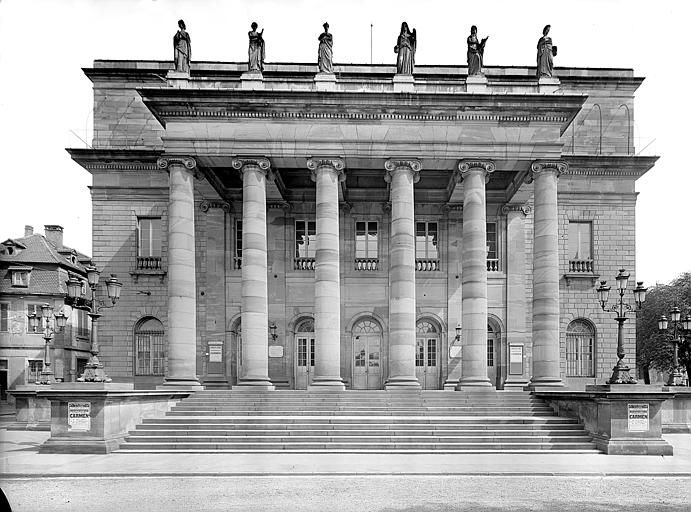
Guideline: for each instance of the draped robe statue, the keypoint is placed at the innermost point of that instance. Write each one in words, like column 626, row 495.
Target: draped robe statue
column 256, row 51
column 405, row 48
column 476, row 52
column 182, row 49
column 545, row 54
column 325, row 52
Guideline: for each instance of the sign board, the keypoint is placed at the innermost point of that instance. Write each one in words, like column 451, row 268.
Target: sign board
column 639, row 417
column 275, row 350
column 78, row 416
column 515, row 359
column 215, row 353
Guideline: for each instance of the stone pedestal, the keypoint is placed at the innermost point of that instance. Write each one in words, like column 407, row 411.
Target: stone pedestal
column 402, row 175
column 676, row 413
column 546, row 355
column 178, row 79
column 403, row 83
column 252, row 81
column 97, row 420
column 476, row 84
column 182, row 303
column 327, row 173
column 255, row 306
column 32, row 412
column 547, row 85
column 623, row 419
column 474, row 174
column 325, row 82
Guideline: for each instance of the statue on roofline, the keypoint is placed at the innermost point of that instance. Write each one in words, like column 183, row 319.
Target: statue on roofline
column 256, row 52
column 476, row 52
column 325, row 52
column 545, row 53
column 405, row 48
column 182, row 49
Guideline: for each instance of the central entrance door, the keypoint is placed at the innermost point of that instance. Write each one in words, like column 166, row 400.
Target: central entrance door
column 493, row 351
column 426, row 351
column 304, row 347
column 366, row 355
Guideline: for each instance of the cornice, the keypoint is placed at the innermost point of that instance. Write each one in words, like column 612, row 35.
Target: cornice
column 103, row 160
column 609, row 166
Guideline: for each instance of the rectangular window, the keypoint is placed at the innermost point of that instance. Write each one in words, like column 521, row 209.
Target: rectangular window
column 490, row 352
column 305, row 244
column 420, row 353
column 149, row 243
column 82, row 322
column 366, row 246
column 492, row 241
column 4, row 317
column 427, row 246
column 431, row 352
column 34, row 371
column 20, row 278
column 579, row 355
column 34, row 308
column 580, row 247
column 238, row 245
column 150, row 353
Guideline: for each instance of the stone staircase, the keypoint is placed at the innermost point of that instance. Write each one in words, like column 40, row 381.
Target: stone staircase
column 360, row 421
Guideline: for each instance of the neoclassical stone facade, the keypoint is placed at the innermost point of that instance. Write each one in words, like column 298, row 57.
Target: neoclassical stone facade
column 287, row 236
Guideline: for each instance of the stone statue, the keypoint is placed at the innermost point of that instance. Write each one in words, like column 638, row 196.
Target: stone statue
column 476, row 51
column 405, row 48
column 256, row 52
column 182, row 49
column 325, row 53
column 545, row 52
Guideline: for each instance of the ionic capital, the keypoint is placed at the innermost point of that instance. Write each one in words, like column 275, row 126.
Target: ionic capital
column 392, row 165
column 336, row 165
column 165, row 162
column 525, row 209
column 205, row 206
column 259, row 164
column 469, row 165
column 542, row 167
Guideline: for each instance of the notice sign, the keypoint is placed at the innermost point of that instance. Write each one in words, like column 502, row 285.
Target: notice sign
column 515, row 359
column 639, row 417
column 79, row 416
column 275, row 350
column 215, row 353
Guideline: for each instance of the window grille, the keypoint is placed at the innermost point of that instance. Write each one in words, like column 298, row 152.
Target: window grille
column 150, row 348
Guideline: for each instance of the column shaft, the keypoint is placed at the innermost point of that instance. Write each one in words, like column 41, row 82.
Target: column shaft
column 254, row 290
column 402, row 176
column 327, row 277
column 474, row 275
column 182, row 304
column 546, row 276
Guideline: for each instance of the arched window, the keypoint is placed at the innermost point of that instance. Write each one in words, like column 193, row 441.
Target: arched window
column 306, row 325
column 426, row 327
column 580, row 349
column 149, row 347
column 366, row 327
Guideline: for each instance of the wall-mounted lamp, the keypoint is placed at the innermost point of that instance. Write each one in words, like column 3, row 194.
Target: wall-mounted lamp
column 458, row 332
column 272, row 330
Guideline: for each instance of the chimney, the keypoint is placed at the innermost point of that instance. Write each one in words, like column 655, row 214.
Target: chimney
column 54, row 235
column 28, row 230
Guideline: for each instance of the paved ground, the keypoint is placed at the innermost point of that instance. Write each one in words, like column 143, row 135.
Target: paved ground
column 341, row 493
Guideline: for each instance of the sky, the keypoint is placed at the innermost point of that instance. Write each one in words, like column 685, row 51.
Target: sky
column 46, row 101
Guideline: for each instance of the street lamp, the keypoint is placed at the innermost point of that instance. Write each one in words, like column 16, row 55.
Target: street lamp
column 93, row 371
column 60, row 319
column 620, row 372
column 680, row 330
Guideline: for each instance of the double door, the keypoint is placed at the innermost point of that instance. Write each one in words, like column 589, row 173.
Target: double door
column 426, row 362
column 367, row 361
column 305, row 360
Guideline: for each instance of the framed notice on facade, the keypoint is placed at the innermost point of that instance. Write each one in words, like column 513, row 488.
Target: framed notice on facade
column 515, row 359
column 275, row 350
column 639, row 417
column 78, row 416
column 215, row 353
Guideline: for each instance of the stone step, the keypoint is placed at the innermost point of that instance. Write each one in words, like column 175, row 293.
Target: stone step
column 349, row 412
column 360, row 419
column 400, row 427
column 250, row 439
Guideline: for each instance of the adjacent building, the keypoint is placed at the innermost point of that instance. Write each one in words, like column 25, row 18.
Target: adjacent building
column 358, row 231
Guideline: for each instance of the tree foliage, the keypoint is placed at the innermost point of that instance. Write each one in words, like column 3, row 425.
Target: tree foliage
column 653, row 349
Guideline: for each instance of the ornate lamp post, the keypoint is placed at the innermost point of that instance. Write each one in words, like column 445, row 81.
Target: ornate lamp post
column 620, row 372
column 94, row 371
column 47, row 311
column 680, row 329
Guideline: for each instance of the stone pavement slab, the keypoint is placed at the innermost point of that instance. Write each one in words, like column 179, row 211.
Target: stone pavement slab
column 19, row 457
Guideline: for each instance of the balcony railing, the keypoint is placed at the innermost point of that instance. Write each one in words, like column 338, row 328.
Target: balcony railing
column 427, row 264
column 493, row 265
column 237, row 262
column 148, row 263
column 303, row 264
column 581, row 266
column 366, row 263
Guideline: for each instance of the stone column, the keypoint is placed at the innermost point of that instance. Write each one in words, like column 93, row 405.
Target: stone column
column 327, row 173
column 475, row 174
column 182, row 303
column 546, row 274
column 402, row 175
column 515, row 294
column 255, row 305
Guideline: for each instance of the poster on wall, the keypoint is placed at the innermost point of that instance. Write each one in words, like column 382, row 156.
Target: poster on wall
column 639, row 417
column 215, row 353
column 515, row 359
column 78, row 416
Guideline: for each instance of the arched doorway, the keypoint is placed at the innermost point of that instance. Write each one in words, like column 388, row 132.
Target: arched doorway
column 494, row 372
column 149, row 352
column 304, row 353
column 236, row 333
column 367, row 336
column 427, row 355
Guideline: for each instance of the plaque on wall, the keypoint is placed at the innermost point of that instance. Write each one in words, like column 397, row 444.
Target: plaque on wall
column 78, row 416
column 515, row 359
column 275, row 350
column 215, row 353
column 639, row 417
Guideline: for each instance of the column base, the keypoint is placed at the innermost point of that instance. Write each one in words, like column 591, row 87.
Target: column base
column 181, row 384
column 475, row 384
column 450, row 384
column 326, row 384
column 254, row 384
column 544, row 383
column 515, row 385
column 395, row 383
